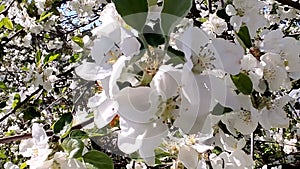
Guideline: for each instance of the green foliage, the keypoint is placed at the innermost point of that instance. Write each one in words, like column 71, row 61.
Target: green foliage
column 51, row 57
column 45, row 15
column 73, row 147
column 3, row 86
column 75, row 58
column 31, row 113
column 243, row 83
column 176, row 56
column 7, row 23
column 220, row 110
column 63, row 125
column 17, row 99
column 173, row 11
column 78, row 41
column 38, row 57
column 244, row 37
column 154, row 36
column 97, row 160
column 134, row 12
column 2, row 7
column 78, row 134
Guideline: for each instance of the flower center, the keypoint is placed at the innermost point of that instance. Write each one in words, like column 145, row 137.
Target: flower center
column 245, row 115
column 113, row 55
column 203, row 60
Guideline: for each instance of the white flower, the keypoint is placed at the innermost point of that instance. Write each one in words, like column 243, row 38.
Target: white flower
column 144, row 137
column 10, row 165
column 273, row 115
column 274, row 72
column 214, row 25
column 247, row 12
column 245, row 120
column 40, row 5
column 255, row 70
column 287, row 47
column 202, row 55
column 189, row 152
column 196, row 103
column 37, row 148
column 66, row 163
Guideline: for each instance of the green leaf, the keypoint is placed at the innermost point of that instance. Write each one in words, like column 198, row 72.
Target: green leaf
column 97, row 160
column 75, row 58
column 153, row 36
column 176, row 57
column 17, row 99
column 73, row 147
column 2, row 154
column 63, row 125
column 220, row 110
column 49, row 58
column 38, row 57
column 7, row 23
column 244, row 35
column 173, row 11
column 134, row 12
column 1, row 23
column 78, row 41
column 78, row 134
column 2, row 85
column 23, row 165
column 243, row 83
column 2, row 7
column 31, row 113
column 45, row 15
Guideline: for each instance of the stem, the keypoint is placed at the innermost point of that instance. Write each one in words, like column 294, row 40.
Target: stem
column 290, row 3
column 21, row 103
column 49, row 133
column 252, row 145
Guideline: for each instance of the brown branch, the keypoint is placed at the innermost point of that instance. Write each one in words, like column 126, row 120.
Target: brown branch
column 49, row 133
column 290, row 3
column 21, row 103
column 20, row 137
column 7, row 8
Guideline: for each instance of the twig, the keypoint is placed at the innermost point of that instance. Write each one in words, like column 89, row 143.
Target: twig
column 20, row 137
column 7, row 8
column 49, row 133
column 290, row 3
column 210, row 6
column 21, row 103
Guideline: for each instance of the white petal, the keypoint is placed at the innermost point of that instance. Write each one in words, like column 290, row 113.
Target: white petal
column 130, row 46
column 138, row 104
column 101, row 46
column 105, row 112
column 96, row 100
column 166, row 81
column 230, row 55
column 230, row 10
column 188, row 156
column 39, row 135
column 91, row 71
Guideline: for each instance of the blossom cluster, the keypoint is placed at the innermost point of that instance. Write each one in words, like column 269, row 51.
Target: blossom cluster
column 182, row 83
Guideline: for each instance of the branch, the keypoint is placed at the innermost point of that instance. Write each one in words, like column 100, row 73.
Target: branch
column 7, row 8
column 290, row 3
column 49, row 133
column 20, row 137
column 21, row 104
